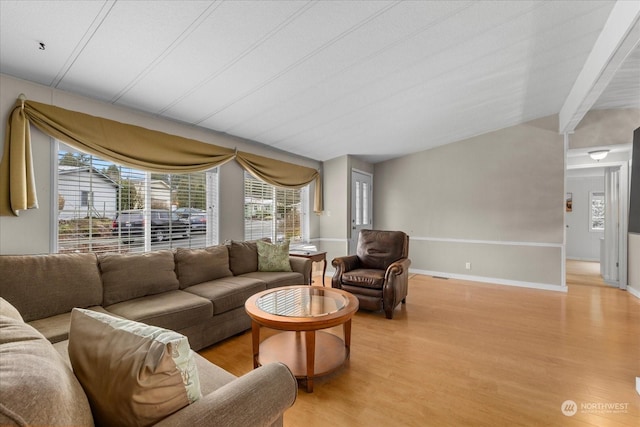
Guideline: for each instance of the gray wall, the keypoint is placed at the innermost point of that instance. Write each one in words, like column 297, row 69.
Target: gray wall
column 605, row 127
column 31, row 232
column 495, row 201
column 334, row 220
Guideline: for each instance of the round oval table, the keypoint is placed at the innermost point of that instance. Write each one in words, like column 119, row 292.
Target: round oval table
column 301, row 312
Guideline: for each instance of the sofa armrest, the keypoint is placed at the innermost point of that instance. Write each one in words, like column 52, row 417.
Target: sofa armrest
column 258, row 398
column 301, row 265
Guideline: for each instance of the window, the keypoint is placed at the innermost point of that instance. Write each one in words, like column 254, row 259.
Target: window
column 105, row 207
column 596, row 212
column 86, row 198
column 277, row 213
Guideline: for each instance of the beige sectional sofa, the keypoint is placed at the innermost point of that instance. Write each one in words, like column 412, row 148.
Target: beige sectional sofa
column 199, row 293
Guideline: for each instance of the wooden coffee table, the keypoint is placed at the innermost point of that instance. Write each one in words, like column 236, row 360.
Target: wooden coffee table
column 301, row 312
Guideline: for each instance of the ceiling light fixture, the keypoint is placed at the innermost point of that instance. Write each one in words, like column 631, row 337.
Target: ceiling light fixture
column 598, row 154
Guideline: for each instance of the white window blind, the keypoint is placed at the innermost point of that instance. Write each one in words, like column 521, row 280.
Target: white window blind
column 277, row 213
column 104, row 207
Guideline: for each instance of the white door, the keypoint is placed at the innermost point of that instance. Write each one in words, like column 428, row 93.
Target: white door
column 361, row 206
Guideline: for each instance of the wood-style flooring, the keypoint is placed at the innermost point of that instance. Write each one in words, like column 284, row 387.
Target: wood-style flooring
column 462, row 353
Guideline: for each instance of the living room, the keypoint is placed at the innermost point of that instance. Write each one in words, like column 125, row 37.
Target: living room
column 485, row 206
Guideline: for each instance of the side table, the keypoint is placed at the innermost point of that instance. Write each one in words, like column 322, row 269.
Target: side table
column 314, row 256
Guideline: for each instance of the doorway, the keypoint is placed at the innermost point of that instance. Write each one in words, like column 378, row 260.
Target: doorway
column 361, row 205
column 607, row 235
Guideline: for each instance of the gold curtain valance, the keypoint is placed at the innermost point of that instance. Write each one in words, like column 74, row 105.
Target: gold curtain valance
column 282, row 174
column 122, row 143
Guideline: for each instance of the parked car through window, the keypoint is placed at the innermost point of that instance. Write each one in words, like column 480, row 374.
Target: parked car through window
column 130, row 224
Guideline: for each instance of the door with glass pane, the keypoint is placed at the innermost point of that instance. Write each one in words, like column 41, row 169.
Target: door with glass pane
column 361, row 206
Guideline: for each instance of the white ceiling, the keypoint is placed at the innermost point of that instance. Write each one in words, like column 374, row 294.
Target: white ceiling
column 320, row 79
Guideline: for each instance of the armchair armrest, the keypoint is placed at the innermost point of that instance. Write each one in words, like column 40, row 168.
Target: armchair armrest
column 396, row 285
column 346, row 263
column 397, row 268
column 342, row 265
column 258, row 398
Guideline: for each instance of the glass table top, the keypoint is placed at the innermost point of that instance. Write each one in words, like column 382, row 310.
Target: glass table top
column 302, row 302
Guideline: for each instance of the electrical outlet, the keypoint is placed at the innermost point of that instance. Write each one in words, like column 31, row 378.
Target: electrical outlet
column 468, row 266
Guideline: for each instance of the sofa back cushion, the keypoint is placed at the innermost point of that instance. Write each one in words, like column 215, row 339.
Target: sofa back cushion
column 202, row 265
column 134, row 374
column 41, row 286
column 243, row 256
column 37, row 387
column 129, row 276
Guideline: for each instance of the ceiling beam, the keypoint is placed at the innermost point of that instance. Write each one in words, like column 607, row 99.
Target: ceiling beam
column 619, row 37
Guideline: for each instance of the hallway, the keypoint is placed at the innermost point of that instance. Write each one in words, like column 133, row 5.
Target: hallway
column 584, row 273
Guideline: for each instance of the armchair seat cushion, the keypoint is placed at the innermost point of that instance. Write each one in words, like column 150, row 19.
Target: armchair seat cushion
column 364, row 277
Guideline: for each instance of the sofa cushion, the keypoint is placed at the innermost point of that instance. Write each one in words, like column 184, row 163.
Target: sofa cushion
column 172, row 310
column 129, row 276
column 243, row 256
column 133, row 374
column 227, row 294
column 45, row 285
column 273, row 279
column 36, row 386
column 56, row 328
column 212, row 377
column 273, row 257
column 202, row 265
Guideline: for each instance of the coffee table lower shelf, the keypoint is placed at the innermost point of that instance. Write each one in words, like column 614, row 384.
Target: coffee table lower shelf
column 290, row 348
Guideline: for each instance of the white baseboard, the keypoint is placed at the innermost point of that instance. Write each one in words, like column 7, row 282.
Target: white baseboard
column 583, row 259
column 633, row 291
column 493, row 280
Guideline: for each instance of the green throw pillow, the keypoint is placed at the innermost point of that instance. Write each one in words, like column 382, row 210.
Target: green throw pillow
column 273, row 257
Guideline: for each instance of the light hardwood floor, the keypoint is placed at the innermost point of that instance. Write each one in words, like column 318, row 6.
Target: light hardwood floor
column 469, row 354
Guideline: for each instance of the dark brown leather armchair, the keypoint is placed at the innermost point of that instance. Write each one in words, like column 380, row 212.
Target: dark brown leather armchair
column 378, row 275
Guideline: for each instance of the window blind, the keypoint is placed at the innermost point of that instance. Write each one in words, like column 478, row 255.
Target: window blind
column 104, row 207
column 273, row 212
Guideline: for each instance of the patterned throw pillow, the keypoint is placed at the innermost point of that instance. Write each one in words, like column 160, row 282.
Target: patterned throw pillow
column 133, row 374
column 273, row 257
